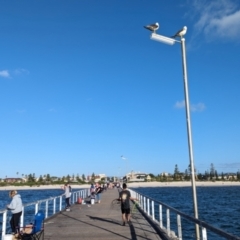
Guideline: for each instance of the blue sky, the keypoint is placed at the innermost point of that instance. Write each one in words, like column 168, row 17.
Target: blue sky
column 81, row 84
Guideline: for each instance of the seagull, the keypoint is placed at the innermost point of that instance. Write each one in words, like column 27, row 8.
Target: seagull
column 152, row 27
column 181, row 32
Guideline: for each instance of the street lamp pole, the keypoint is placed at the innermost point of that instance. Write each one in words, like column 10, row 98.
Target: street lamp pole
column 188, row 119
column 171, row 41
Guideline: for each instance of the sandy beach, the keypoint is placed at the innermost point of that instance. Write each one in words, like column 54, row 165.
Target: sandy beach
column 183, row 184
column 133, row 185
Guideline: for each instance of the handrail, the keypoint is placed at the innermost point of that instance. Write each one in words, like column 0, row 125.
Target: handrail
column 146, row 208
column 75, row 195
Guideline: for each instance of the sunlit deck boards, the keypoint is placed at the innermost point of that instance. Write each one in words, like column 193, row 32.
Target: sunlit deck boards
column 99, row 221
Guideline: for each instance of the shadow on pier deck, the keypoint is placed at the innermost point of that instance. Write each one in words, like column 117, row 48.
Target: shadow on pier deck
column 98, row 221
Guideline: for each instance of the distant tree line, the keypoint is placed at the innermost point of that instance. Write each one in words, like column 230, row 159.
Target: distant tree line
column 47, row 179
column 31, row 179
column 209, row 175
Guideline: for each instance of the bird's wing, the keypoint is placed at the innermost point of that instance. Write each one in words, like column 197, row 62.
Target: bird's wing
column 152, row 27
column 180, row 33
column 177, row 33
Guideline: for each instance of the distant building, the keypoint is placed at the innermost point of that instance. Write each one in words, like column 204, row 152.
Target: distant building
column 230, row 176
column 137, row 177
column 164, row 174
column 97, row 177
column 13, row 180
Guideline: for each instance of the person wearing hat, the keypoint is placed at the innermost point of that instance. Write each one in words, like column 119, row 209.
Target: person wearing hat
column 16, row 208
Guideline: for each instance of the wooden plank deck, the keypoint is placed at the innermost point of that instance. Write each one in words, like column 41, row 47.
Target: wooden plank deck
column 98, row 221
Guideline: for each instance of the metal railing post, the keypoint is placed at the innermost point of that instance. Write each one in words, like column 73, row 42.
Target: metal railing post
column 160, row 216
column 204, row 233
column 54, row 205
column 179, row 227
column 36, row 208
column 153, row 212
column 148, row 207
column 168, row 222
column 46, row 210
column 60, row 203
column 22, row 218
column 144, row 203
column 4, row 223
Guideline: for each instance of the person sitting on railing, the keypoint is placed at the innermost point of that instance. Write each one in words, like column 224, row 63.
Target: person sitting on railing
column 16, row 208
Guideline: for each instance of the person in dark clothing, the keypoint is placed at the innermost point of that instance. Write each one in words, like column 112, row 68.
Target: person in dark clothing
column 125, row 197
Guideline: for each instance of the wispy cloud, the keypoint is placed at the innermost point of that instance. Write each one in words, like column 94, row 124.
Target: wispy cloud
column 52, row 110
column 217, row 19
column 199, row 107
column 5, row 74
column 21, row 111
column 180, row 104
column 233, row 165
column 12, row 73
column 21, row 71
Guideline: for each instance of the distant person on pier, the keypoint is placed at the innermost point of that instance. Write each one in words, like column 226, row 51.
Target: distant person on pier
column 16, row 208
column 125, row 197
column 67, row 190
column 98, row 191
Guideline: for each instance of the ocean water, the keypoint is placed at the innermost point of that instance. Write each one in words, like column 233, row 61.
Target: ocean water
column 218, row 206
column 29, row 196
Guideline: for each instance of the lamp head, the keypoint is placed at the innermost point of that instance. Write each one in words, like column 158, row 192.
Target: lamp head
column 162, row 39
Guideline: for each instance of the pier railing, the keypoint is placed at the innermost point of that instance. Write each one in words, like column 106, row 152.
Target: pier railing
column 164, row 217
column 49, row 206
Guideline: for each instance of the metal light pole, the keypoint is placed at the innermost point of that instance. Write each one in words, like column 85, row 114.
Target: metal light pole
column 171, row 41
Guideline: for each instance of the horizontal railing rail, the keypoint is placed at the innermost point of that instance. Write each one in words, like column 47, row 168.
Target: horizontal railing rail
column 147, row 205
column 49, row 206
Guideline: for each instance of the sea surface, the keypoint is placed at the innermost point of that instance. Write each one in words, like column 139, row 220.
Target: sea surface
column 218, row 206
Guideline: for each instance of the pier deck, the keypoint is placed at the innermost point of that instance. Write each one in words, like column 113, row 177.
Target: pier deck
column 98, row 221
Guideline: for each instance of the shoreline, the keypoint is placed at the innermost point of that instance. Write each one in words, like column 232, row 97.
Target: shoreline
column 184, row 184
column 130, row 185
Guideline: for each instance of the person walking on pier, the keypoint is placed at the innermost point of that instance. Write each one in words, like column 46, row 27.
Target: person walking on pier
column 125, row 197
column 16, row 208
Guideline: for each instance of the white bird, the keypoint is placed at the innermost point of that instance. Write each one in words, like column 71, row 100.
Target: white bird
column 152, row 27
column 180, row 33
